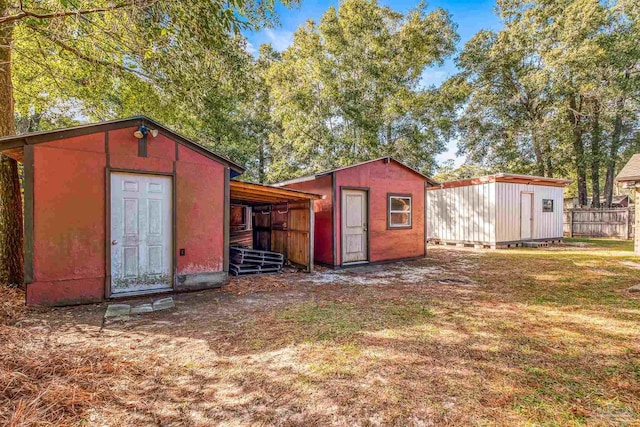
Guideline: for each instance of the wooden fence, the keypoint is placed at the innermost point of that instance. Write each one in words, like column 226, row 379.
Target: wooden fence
column 616, row 223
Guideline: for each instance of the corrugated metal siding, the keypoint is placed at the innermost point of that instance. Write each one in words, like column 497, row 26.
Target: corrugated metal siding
column 464, row 214
column 545, row 224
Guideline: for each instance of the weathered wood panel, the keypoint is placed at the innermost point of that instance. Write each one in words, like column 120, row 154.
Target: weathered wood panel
column 279, row 242
column 617, row 223
column 298, row 244
column 285, row 228
column 262, row 228
column 240, row 226
column 323, row 223
column 279, row 227
column 242, row 238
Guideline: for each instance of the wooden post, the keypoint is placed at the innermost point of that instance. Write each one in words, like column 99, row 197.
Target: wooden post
column 628, row 222
column 571, row 222
column 312, row 226
column 636, row 239
column 226, row 222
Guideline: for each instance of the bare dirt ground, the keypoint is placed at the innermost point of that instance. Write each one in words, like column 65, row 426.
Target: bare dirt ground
column 463, row 337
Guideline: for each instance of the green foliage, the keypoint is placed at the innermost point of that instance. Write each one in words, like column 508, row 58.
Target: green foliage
column 448, row 172
column 183, row 63
column 348, row 89
column 555, row 92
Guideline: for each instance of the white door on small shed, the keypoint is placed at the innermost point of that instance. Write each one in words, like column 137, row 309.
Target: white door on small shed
column 526, row 215
column 141, row 233
column 354, row 226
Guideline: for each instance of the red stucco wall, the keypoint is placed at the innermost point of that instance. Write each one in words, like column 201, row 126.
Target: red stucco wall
column 123, row 152
column 382, row 178
column 69, row 222
column 200, row 219
column 69, row 263
column 323, row 212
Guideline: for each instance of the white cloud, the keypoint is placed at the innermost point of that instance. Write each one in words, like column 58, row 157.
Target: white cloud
column 279, row 39
column 250, row 48
column 433, row 77
column 451, row 154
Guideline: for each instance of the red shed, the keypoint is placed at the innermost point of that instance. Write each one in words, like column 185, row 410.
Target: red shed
column 111, row 213
column 372, row 212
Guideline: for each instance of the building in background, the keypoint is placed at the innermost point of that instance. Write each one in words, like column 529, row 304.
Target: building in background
column 371, row 212
column 500, row 210
column 629, row 177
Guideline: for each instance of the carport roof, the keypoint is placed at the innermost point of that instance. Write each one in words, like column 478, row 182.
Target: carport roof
column 256, row 194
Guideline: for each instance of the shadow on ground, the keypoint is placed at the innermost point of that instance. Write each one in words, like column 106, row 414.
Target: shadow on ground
column 461, row 337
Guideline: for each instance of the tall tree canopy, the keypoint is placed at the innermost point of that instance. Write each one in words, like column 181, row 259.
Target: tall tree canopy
column 349, row 89
column 75, row 58
column 556, row 91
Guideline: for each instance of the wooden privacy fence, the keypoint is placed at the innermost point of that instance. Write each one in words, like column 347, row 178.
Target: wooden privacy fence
column 617, row 223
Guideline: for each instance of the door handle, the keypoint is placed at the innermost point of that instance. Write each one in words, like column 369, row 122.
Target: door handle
column 114, row 242
column 364, row 227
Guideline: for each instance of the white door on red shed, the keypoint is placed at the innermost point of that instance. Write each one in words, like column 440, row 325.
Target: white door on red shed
column 526, row 215
column 141, row 233
column 354, row 226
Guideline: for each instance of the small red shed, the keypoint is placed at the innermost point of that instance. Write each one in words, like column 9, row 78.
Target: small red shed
column 119, row 208
column 372, row 212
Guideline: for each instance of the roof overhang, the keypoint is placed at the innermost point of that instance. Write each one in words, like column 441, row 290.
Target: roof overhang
column 260, row 194
column 630, row 173
column 387, row 159
column 13, row 146
column 630, row 183
column 506, row 177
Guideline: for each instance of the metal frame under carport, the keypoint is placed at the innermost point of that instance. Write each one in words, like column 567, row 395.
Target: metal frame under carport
column 283, row 219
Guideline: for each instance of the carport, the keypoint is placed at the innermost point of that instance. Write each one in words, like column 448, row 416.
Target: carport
column 273, row 219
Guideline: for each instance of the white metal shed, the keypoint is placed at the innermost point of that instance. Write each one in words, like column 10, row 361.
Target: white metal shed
column 500, row 210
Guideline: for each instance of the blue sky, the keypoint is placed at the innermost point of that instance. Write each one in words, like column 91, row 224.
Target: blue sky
column 470, row 16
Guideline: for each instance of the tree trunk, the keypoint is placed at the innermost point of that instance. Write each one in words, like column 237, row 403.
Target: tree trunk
column 261, row 166
column 613, row 152
column 548, row 160
column 11, row 227
column 596, row 139
column 537, row 150
column 575, row 119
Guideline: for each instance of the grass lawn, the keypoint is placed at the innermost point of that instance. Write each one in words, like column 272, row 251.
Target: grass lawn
column 464, row 337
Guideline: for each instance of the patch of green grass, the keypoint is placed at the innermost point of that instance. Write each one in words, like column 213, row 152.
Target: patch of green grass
column 615, row 244
column 410, row 312
column 325, row 321
column 331, row 320
column 544, row 299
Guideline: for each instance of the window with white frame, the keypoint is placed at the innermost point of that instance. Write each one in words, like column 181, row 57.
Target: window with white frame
column 399, row 211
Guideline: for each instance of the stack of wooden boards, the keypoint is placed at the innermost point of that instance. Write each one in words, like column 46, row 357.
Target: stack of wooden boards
column 252, row 261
